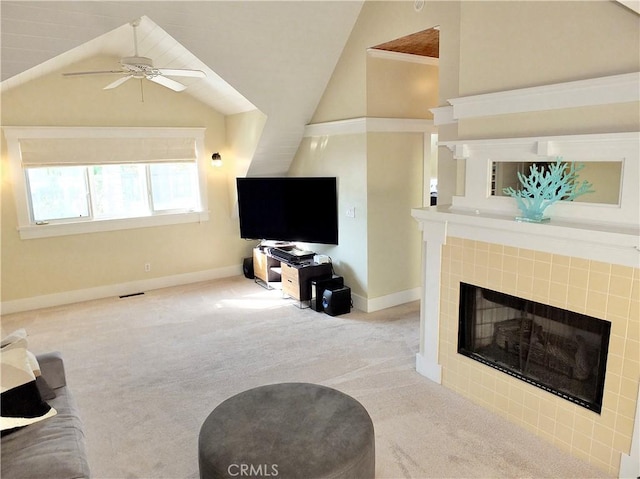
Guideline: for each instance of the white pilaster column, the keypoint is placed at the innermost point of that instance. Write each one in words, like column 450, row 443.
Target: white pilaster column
column 434, row 236
column 630, row 463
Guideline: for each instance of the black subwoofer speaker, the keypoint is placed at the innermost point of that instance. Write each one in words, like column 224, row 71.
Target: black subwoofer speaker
column 337, row 301
column 247, row 268
column 318, row 287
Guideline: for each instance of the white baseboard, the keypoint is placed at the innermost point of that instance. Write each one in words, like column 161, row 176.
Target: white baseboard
column 99, row 292
column 430, row 370
column 120, row 289
column 384, row 302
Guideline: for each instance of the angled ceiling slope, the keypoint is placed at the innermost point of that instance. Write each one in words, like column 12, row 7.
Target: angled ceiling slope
column 153, row 42
column 274, row 56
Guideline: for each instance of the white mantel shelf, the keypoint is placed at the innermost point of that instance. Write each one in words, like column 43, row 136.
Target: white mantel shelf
column 599, row 242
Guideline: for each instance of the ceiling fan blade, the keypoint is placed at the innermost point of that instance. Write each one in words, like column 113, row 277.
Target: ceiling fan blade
column 104, row 72
column 168, row 82
column 117, row 83
column 178, row 72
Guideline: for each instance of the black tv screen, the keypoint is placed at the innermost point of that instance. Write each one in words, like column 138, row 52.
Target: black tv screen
column 303, row 209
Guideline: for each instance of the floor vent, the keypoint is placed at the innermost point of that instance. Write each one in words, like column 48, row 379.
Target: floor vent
column 130, row 295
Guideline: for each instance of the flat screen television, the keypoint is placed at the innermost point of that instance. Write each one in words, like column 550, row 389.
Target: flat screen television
column 295, row 209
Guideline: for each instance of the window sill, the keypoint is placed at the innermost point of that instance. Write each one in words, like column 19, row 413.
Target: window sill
column 96, row 226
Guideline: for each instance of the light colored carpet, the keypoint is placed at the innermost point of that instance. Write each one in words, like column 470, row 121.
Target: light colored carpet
column 147, row 370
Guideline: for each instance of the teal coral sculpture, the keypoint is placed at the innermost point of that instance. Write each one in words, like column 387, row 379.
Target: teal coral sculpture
column 545, row 186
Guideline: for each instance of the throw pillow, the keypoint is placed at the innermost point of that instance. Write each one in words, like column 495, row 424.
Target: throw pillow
column 46, row 391
column 20, row 401
column 22, row 334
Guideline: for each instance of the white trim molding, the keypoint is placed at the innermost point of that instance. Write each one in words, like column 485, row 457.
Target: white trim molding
column 434, row 235
column 97, row 226
column 630, row 463
column 388, row 301
column 606, row 147
column 361, row 125
column 402, row 57
column 115, row 290
column 443, row 115
column 29, row 229
column 615, row 245
column 608, row 90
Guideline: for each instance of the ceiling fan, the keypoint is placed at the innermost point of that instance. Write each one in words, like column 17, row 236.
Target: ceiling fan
column 142, row 68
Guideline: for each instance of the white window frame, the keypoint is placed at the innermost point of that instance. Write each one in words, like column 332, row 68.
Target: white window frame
column 28, row 229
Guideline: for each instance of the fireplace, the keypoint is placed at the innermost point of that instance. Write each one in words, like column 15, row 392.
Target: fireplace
column 584, row 260
column 560, row 351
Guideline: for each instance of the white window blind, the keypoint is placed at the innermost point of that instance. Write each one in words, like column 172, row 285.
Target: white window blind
column 101, row 151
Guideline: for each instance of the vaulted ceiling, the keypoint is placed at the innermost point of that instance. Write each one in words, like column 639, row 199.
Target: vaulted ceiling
column 274, row 56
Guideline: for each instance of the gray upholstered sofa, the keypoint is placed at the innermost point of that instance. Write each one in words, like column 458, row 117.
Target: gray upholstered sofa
column 53, row 448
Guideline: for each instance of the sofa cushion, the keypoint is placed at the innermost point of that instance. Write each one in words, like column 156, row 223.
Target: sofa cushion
column 46, row 392
column 54, row 448
column 20, row 401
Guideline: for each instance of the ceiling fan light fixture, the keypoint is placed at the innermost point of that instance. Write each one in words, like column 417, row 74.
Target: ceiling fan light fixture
column 139, row 62
column 142, row 68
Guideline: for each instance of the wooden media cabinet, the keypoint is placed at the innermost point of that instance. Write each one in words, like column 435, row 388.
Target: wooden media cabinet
column 294, row 279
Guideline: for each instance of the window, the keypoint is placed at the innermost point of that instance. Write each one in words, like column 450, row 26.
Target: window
column 111, row 191
column 71, row 180
column 58, row 193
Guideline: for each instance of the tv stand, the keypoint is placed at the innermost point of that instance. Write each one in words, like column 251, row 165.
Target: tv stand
column 293, row 278
column 266, row 269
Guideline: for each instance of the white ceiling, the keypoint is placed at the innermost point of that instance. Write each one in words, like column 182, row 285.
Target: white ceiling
column 274, row 56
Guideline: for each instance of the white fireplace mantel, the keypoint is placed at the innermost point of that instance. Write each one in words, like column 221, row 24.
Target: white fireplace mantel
column 605, row 243
column 601, row 232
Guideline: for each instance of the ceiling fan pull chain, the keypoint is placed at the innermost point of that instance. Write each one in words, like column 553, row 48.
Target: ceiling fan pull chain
column 141, row 91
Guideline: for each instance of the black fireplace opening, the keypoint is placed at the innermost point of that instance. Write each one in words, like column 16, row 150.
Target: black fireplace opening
column 560, row 351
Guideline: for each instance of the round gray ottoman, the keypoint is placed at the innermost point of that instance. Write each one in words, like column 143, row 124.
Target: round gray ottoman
column 288, row 430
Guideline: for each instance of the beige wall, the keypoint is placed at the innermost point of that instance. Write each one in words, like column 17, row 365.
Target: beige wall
column 394, row 186
column 511, row 45
column 37, row 267
column 343, row 156
column 601, row 290
column 400, row 89
column 346, row 95
column 380, row 175
column 508, row 45
column 380, row 22
column 366, row 86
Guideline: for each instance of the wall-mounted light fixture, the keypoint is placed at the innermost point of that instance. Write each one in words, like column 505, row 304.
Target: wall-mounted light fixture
column 216, row 159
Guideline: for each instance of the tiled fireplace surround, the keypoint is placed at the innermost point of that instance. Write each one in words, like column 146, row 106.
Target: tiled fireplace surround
column 576, row 264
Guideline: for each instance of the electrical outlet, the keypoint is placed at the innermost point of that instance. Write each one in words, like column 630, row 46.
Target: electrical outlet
column 147, row 267
column 351, row 212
